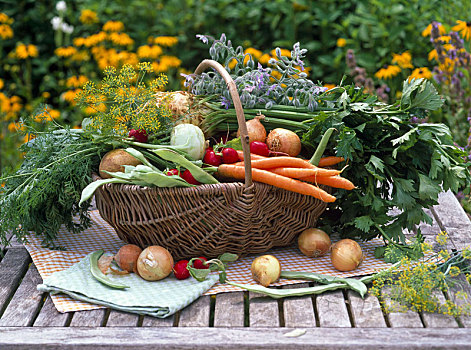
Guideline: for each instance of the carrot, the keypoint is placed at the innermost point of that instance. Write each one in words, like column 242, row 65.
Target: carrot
column 267, row 177
column 332, row 181
column 298, row 173
column 285, row 162
column 328, row 161
column 253, row 156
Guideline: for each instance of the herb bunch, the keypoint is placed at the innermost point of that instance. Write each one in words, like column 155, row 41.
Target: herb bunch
column 257, row 86
column 124, row 100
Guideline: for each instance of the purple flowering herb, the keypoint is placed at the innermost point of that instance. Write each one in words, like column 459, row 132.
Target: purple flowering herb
column 225, row 102
column 203, row 38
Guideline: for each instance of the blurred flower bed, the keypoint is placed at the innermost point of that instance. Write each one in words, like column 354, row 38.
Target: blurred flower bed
column 48, row 51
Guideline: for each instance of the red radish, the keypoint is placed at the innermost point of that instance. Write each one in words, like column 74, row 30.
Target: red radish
column 229, row 156
column 259, row 148
column 198, row 264
column 186, row 175
column 172, row 172
column 211, row 158
column 139, row 135
column 180, row 271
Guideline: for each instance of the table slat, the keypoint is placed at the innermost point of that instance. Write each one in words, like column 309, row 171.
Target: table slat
column 263, row 311
column 49, row 316
column 196, row 314
column 122, row 319
column 332, row 310
column 366, row 312
column 150, row 321
column 229, row 310
column 433, row 320
column 12, row 268
column 88, row 318
column 299, row 311
column 26, row 301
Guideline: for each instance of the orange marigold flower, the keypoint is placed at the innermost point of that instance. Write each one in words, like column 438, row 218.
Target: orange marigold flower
column 433, row 55
column 79, row 41
column 264, row 58
column 76, row 81
column 2, row 84
column 65, row 51
column 47, row 115
column 166, row 40
column 23, row 51
column 6, row 32
column 421, row 72
column 254, row 52
column 4, row 18
column 464, row 28
column 113, row 26
column 388, row 72
column 284, row 52
column 403, row 60
column 341, row 42
column 121, row 39
column 147, row 51
column 88, row 16
column 329, row 86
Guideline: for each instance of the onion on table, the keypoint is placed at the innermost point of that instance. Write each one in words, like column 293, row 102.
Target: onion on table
column 346, row 255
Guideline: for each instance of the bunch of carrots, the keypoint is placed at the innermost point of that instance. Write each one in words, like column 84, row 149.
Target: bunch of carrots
column 292, row 174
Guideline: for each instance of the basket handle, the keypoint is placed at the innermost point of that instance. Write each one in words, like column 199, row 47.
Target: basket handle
column 244, row 136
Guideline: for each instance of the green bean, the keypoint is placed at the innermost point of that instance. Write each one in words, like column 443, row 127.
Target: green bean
column 316, row 157
column 100, row 276
column 198, row 173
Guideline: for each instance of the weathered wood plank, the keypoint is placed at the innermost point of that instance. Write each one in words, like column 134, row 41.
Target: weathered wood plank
column 299, row 311
column 88, row 318
column 332, row 310
column 366, row 312
column 263, row 311
column 26, row 301
column 433, row 320
column 196, row 314
column 49, row 316
column 12, row 268
column 122, row 319
column 229, row 310
column 147, row 338
column 408, row 319
column 149, row 321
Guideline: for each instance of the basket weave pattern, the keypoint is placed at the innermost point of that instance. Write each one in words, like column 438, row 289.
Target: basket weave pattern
column 240, row 218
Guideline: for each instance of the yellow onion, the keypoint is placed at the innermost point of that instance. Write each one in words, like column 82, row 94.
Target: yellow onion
column 313, row 242
column 255, row 129
column 127, row 256
column 266, row 269
column 284, row 140
column 154, row 263
column 346, row 255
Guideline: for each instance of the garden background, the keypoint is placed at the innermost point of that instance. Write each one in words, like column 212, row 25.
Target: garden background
column 49, row 49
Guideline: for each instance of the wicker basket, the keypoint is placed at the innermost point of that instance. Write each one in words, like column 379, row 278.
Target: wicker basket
column 209, row 220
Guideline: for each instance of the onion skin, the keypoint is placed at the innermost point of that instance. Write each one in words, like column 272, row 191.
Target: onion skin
column 255, row 129
column 284, row 140
column 154, row 263
column 266, row 269
column 346, row 255
column 313, row 242
column 127, row 257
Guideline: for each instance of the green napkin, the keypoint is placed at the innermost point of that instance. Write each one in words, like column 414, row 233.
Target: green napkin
column 159, row 299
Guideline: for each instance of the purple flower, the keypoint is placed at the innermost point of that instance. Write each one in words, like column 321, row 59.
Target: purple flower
column 203, row 38
column 226, row 103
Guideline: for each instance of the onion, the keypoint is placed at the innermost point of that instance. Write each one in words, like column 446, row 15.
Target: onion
column 127, row 257
column 314, row 242
column 283, row 140
column 346, row 255
column 154, row 263
column 255, row 129
column 266, row 269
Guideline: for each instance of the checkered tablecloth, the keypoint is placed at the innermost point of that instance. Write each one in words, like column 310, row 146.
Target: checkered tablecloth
column 102, row 236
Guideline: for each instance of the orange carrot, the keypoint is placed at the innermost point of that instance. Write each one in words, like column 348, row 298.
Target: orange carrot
column 277, row 162
column 298, row 173
column 252, row 156
column 329, row 161
column 332, row 181
column 238, row 172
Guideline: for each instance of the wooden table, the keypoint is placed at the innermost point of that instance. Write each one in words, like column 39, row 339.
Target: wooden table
column 336, row 320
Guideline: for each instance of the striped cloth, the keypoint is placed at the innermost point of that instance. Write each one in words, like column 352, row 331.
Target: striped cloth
column 102, row 236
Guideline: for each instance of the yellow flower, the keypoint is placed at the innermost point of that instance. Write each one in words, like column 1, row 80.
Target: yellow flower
column 70, row 95
column 170, row 61
column 95, row 39
column 329, row 86
column 428, row 30
column 444, row 38
column 264, row 58
column 65, row 51
column 2, row 84
column 442, row 238
column 403, row 60
column 454, row 271
column 23, row 51
column 113, row 26
column 5, row 19
column 12, row 127
column 254, row 52
column 387, row 72
column 232, row 63
column 47, row 115
column 101, row 107
column 276, row 74
column 10, row 106
column 284, row 52
column 80, row 41
column 341, row 42
column 80, row 56
column 421, row 72
column 121, row 39
column 467, row 253
column 448, row 65
column 76, row 81
column 6, row 32
column 433, row 55
column 147, row 51
column 464, row 28
column 88, row 17
column 46, row 94
column 166, row 40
